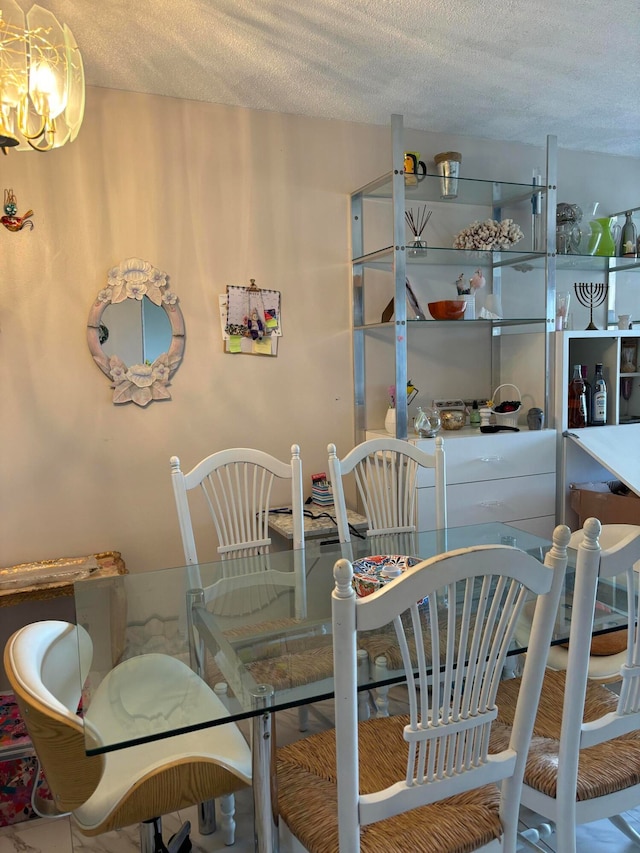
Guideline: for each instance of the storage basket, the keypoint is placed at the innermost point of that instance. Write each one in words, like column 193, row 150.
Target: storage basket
column 507, row 418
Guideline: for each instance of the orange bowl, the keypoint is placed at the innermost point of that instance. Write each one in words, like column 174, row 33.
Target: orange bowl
column 447, row 309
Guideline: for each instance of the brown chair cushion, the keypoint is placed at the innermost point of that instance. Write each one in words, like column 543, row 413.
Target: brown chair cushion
column 307, row 797
column 602, row 769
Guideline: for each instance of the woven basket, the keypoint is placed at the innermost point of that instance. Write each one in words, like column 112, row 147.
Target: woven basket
column 507, row 418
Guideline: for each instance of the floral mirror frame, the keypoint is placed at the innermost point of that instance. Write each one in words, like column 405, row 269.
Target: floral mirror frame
column 137, row 383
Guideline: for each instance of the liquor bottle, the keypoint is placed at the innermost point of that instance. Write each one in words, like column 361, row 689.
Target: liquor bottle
column 628, row 237
column 599, row 416
column 588, row 395
column 474, row 415
column 577, row 401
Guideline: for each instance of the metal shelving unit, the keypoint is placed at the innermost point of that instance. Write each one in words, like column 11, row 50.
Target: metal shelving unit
column 396, row 260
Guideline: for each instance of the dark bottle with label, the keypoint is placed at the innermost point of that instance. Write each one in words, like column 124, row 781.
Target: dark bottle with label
column 628, row 237
column 588, row 394
column 577, row 401
column 599, row 416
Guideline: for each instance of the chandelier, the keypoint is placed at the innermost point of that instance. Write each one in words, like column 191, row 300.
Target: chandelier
column 41, row 80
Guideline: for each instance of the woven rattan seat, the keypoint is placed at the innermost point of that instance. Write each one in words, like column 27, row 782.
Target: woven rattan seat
column 307, row 797
column 602, row 769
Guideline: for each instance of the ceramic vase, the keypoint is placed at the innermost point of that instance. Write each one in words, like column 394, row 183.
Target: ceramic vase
column 390, row 421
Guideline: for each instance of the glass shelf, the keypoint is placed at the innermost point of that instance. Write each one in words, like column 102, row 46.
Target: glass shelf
column 470, row 191
column 596, row 263
column 460, row 324
column 435, row 256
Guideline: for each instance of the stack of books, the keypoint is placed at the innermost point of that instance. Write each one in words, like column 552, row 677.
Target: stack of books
column 321, row 494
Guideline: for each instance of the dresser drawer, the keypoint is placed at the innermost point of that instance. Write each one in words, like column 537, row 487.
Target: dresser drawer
column 498, row 456
column 502, row 500
column 512, row 499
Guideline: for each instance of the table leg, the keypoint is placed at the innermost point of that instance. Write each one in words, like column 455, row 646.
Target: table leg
column 265, row 792
column 195, row 598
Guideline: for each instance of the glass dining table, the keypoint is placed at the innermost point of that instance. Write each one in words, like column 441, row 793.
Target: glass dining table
column 258, row 631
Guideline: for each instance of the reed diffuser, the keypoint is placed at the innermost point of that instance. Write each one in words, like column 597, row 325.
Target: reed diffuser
column 417, row 225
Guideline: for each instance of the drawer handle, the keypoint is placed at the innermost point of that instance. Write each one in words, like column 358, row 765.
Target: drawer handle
column 490, row 459
column 491, row 504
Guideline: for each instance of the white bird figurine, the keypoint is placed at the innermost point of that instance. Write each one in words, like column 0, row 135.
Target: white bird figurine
column 477, row 280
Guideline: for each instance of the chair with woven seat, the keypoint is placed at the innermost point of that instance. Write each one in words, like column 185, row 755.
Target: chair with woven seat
column 608, row 652
column 238, row 486
column 585, row 751
column 386, row 472
column 432, row 781
column 46, row 663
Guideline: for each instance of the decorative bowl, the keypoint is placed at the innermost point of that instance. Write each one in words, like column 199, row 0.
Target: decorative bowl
column 452, row 418
column 447, row 309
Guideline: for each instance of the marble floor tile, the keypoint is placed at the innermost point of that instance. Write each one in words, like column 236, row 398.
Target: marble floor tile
column 58, row 836
column 37, row 836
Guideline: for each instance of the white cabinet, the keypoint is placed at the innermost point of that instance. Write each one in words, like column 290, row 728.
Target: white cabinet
column 507, row 476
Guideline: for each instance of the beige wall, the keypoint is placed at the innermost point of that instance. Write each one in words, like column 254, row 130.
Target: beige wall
column 213, row 196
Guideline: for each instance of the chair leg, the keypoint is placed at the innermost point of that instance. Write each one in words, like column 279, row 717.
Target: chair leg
column 381, row 694
column 227, row 822
column 303, row 718
column 151, row 838
column 207, row 817
column 180, row 842
column 529, row 838
column 149, row 831
column 620, row 823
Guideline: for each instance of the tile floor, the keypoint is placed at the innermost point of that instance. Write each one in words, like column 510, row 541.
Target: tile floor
column 57, row 836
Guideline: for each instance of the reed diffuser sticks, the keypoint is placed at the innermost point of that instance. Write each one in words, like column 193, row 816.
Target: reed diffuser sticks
column 418, row 222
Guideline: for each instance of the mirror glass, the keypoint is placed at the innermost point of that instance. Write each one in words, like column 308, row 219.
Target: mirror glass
column 136, row 332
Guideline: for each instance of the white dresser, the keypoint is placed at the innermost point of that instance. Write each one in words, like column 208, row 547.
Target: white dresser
column 504, row 476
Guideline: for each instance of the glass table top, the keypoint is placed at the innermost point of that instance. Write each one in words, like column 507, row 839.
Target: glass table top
column 257, row 621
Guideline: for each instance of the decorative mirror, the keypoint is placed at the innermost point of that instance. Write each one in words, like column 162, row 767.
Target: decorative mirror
column 135, row 332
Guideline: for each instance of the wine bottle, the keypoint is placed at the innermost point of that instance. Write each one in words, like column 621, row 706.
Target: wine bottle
column 588, row 395
column 599, row 416
column 577, row 401
column 628, row 237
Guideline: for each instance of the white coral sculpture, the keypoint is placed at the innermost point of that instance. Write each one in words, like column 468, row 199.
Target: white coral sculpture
column 489, row 235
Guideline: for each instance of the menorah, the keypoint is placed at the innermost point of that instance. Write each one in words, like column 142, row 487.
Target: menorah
column 591, row 294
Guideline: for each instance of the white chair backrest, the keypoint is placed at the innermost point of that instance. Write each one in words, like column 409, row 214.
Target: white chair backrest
column 594, row 564
column 51, row 660
column 237, row 485
column 386, row 471
column 448, row 733
column 46, row 663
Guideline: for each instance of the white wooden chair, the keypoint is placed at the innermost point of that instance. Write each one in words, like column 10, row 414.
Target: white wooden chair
column 608, row 651
column 386, row 475
column 435, row 780
column 238, row 486
column 46, row 663
column 585, row 751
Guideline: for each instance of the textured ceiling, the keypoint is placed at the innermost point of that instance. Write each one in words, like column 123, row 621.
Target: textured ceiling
column 504, row 69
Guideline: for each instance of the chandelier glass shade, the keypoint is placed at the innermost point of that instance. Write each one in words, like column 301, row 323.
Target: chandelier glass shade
column 41, row 80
